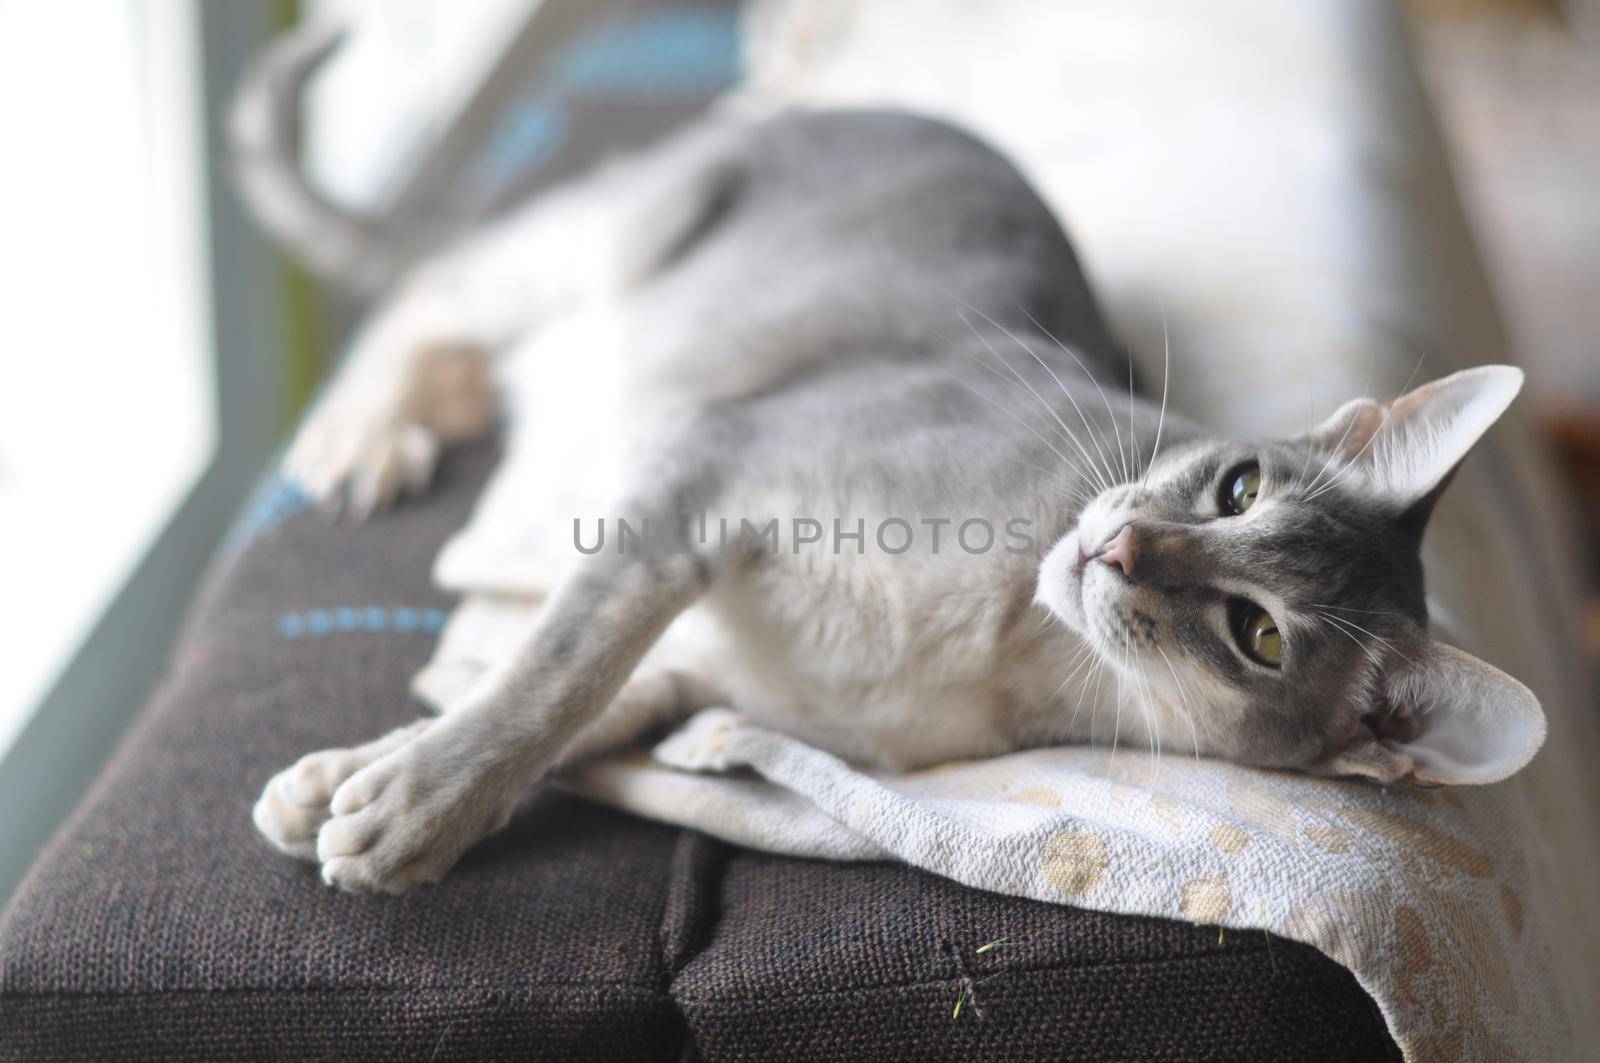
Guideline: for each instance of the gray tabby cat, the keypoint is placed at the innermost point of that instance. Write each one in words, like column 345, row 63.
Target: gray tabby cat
column 870, row 321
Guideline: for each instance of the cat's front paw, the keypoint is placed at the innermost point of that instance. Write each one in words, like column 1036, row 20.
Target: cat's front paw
column 295, row 802
column 405, row 819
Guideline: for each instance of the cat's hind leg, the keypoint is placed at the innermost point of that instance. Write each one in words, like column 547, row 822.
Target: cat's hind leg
column 416, row 379
column 418, row 374
column 650, row 702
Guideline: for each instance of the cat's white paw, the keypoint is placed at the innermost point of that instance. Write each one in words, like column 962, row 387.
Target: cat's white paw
column 405, row 819
column 375, row 437
column 365, row 455
column 294, row 804
column 704, row 743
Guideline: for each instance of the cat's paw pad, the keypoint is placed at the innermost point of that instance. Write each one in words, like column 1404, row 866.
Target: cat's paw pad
column 360, row 459
column 404, row 820
column 702, row 744
column 376, row 436
column 294, row 804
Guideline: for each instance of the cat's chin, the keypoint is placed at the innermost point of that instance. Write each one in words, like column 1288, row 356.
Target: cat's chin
column 1061, row 578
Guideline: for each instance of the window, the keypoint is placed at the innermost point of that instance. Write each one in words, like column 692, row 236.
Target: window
column 106, row 412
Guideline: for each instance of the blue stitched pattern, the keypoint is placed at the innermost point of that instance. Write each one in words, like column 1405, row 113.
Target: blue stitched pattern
column 676, row 53
column 275, row 499
column 527, row 134
column 689, row 50
column 371, row 619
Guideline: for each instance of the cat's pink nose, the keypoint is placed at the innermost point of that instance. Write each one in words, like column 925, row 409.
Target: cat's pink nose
column 1120, row 551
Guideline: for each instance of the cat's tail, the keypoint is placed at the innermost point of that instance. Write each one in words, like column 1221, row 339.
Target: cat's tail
column 335, row 242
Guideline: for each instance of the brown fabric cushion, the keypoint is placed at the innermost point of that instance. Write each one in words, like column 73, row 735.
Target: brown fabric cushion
column 159, row 922
column 158, row 925
column 811, row 960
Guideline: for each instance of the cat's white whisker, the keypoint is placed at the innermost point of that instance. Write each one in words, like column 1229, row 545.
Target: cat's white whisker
column 1326, row 619
column 1019, row 421
column 1044, row 622
column 1348, row 609
column 1077, row 494
column 1143, row 690
column 1310, row 455
column 1078, row 664
column 1133, row 430
column 1090, row 471
column 1166, row 374
column 1089, row 427
column 1024, row 383
column 1083, row 653
column 1136, row 678
column 1183, row 700
column 1083, row 688
column 1070, row 353
column 1110, row 474
column 1377, row 638
column 1121, row 458
column 1333, row 454
column 1099, row 684
column 1116, row 733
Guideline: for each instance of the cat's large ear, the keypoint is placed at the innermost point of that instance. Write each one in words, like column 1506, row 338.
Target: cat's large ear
column 1446, row 717
column 1409, row 448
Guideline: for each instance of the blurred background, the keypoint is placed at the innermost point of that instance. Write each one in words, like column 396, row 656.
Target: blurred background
column 158, row 350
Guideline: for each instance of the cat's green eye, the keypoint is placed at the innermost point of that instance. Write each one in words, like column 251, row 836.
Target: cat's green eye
column 1240, row 489
column 1258, row 635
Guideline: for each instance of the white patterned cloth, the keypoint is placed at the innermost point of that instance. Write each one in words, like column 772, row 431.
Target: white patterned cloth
column 1424, row 894
column 1268, row 173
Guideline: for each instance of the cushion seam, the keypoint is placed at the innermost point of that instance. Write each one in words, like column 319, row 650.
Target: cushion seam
column 954, row 979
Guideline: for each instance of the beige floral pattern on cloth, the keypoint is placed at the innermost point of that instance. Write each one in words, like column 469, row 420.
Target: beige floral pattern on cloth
column 1432, row 899
column 1074, row 863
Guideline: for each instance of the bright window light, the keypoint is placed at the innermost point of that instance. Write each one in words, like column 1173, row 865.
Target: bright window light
column 106, row 412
